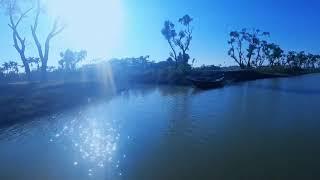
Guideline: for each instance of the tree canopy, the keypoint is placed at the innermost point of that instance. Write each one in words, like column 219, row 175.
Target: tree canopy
column 69, row 59
column 179, row 42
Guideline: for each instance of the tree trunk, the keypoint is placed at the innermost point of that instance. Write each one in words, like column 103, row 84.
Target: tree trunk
column 249, row 59
column 249, row 64
column 19, row 44
column 174, row 53
column 44, row 72
column 26, row 67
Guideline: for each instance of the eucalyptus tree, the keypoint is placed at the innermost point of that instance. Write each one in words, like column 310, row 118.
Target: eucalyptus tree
column 16, row 13
column 312, row 60
column 318, row 61
column 6, row 67
column 14, row 67
column 170, row 34
column 43, row 51
column 254, row 44
column 10, row 67
column 292, row 59
column 184, row 38
column 179, row 42
column 69, row 59
column 236, row 50
column 275, row 55
column 246, row 47
column 315, row 61
column 301, row 59
column 297, row 59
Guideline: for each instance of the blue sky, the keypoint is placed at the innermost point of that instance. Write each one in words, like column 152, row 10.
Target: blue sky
column 132, row 28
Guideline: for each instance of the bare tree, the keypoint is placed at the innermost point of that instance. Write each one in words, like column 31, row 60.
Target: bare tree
column 16, row 15
column 44, row 53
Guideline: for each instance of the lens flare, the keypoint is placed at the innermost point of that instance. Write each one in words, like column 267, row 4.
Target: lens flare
column 96, row 25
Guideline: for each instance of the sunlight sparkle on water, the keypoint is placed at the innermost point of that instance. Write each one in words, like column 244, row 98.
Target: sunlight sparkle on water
column 93, row 139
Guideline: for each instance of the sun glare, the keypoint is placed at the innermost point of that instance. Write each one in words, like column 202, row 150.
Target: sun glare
column 96, row 25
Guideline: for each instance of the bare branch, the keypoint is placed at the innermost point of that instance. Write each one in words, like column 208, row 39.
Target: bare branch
column 58, row 31
column 173, row 50
column 35, row 25
column 36, row 40
column 55, row 30
column 19, row 42
column 23, row 15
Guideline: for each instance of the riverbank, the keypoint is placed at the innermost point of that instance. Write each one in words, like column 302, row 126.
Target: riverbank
column 173, row 76
column 235, row 76
column 23, row 101
column 241, row 75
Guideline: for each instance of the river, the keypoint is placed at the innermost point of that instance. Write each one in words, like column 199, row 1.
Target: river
column 265, row 129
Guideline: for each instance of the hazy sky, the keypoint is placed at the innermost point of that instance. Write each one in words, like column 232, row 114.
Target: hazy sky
column 127, row 28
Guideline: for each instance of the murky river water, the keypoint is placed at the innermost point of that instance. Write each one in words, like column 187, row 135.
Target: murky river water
column 267, row 129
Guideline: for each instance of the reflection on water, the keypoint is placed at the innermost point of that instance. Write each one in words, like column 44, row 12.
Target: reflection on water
column 93, row 139
column 254, row 130
column 287, row 90
column 87, row 136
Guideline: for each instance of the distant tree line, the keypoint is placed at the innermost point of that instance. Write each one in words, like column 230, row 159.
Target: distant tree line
column 142, row 69
column 251, row 49
column 69, row 62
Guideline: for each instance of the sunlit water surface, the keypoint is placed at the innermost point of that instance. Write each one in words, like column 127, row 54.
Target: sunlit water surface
column 267, row 129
